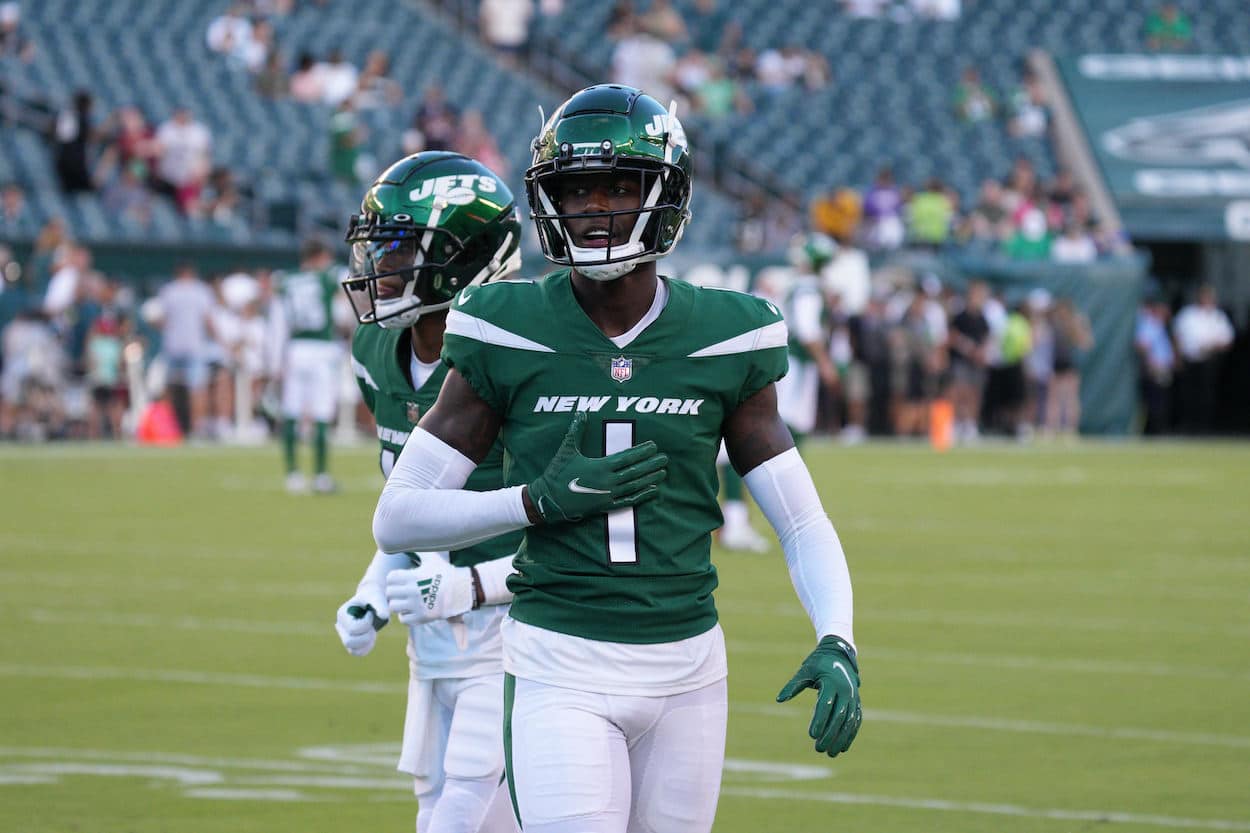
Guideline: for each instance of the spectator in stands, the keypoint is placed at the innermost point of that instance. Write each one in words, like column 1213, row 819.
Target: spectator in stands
column 930, row 213
column 505, row 26
column 127, row 195
column 974, row 101
column 476, row 142
column 12, row 43
column 883, row 213
column 969, row 353
column 1203, row 334
column 339, row 78
column 1020, row 185
column 223, row 204
column 15, row 214
column 935, row 9
column 865, row 8
column 184, row 159
column 1075, row 245
column 272, row 80
column 347, row 135
column 1031, row 238
column 230, row 31
column 437, row 121
column 73, row 136
column 375, row 87
column 1168, row 29
column 643, row 60
column 306, row 82
column 131, row 139
column 1029, row 116
column 622, row 20
column 1156, row 364
column 718, row 95
column 837, row 214
column 778, row 69
column 186, row 307
column 767, row 226
column 1073, row 339
column 67, row 287
column 989, row 221
column 1063, row 192
column 711, row 26
column 662, row 20
column 253, row 54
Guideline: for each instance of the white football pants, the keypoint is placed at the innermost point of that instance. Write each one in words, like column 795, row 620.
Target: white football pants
column 310, row 379
column 471, row 796
column 581, row 762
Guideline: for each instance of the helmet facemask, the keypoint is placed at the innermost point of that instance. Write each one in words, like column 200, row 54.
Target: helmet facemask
column 657, row 222
column 400, row 271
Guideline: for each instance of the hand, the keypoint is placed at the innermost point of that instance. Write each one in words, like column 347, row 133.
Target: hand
column 431, row 591
column 831, row 670
column 359, row 620
column 574, row 486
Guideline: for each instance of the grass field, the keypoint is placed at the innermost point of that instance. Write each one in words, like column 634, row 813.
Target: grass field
column 1051, row 639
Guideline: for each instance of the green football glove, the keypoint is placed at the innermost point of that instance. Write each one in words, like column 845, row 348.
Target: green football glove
column 574, row 486
column 831, row 670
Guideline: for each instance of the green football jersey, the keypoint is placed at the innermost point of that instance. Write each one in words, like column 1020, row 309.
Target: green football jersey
column 379, row 360
column 308, row 302
column 641, row 575
column 804, row 293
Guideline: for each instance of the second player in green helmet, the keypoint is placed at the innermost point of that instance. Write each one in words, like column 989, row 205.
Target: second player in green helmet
column 430, row 225
column 609, row 128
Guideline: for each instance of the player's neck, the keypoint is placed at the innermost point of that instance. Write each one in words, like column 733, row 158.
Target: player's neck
column 427, row 336
column 616, row 306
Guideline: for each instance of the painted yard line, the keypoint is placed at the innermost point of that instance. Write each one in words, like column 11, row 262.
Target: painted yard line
column 79, row 672
column 305, row 765
column 1088, row 666
column 305, row 683
column 306, row 589
column 933, row 617
column 1058, row 814
column 186, row 623
column 995, row 724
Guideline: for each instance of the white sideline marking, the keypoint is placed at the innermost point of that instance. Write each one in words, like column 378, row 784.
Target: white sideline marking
column 1097, row 816
column 222, row 794
column 309, row 761
column 1088, row 666
column 1031, row 727
column 188, row 623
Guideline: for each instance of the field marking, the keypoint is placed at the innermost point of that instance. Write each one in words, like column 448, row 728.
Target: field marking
column 41, row 616
column 1027, row 663
column 984, row 808
column 767, row 710
column 933, row 617
column 1031, row 727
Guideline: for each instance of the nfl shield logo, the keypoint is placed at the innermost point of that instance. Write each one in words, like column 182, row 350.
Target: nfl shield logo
column 414, row 412
column 622, row 369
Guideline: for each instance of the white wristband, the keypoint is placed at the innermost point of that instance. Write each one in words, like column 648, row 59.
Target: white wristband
column 493, row 576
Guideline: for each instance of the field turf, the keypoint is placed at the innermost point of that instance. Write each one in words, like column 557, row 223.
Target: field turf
column 1052, row 639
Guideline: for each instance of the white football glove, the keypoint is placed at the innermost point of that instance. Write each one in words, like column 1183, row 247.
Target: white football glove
column 359, row 620
column 429, row 592
column 364, row 614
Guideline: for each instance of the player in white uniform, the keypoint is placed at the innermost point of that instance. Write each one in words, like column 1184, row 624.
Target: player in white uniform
column 798, row 392
column 304, row 320
column 402, row 283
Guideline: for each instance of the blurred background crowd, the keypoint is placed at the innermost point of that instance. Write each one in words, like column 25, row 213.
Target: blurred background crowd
column 149, row 187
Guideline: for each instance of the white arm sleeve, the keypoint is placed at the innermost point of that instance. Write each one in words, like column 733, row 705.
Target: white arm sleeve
column 382, row 563
column 425, row 507
column 493, row 575
column 786, row 495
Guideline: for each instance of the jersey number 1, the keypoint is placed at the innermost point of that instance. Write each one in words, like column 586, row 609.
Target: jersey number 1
column 622, row 525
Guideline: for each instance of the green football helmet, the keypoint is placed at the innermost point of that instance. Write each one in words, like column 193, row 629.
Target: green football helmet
column 812, row 252
column 612, row 128
column 430, row 225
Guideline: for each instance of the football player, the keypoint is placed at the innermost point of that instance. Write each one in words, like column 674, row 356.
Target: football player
column 431, row 225
column 798, row 393
column 303, row 343
column 613, row 388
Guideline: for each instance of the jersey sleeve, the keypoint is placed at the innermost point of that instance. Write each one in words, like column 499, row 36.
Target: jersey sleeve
column 769, row 361
column 364, row 379
column 468, row 351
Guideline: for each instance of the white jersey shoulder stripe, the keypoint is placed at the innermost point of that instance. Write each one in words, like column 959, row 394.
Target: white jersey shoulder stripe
column 762, row 338
column 461, row 324
column 363, row 372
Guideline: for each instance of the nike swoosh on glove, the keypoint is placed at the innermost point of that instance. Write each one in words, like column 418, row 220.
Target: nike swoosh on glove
column 832, row 670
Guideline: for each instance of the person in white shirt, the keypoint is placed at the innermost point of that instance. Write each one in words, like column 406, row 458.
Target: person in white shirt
column 1202, row 332
column 184, row 158
column 187, row 306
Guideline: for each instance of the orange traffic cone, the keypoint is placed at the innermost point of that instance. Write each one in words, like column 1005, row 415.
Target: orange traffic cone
column 941, row 424
column 158, row 425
